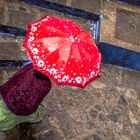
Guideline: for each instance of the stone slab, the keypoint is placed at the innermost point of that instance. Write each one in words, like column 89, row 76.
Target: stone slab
column 93, row 6
column 1, row 14
column 20, row 18
column 128, row 26
column 11, row 51
column 85, row 114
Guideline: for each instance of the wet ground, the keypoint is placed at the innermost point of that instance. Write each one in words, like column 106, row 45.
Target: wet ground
column 107, row 109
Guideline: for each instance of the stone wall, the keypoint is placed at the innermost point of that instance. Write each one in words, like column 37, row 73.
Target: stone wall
column 19, row 14
column 107, row 109
column 120, row 24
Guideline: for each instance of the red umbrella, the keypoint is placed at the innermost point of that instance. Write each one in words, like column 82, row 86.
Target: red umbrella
column 63, row 51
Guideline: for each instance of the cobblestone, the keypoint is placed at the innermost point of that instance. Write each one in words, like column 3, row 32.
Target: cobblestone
column 71, row 114
column 93, row 113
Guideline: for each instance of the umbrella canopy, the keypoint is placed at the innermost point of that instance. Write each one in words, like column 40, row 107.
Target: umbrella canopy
column 63, row 51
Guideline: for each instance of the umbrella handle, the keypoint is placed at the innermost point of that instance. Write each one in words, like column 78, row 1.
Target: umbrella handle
column 40, row 75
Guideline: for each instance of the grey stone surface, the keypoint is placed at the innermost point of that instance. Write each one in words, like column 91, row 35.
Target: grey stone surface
column 90, row 125
column 2, row 14
column 101, row 117
column 115, row 24
column 128, row 26
column 92, row 137
column 93, row 113
column 89, row 113
column 1, row 77
column 11, row 48
column 21, row 19
column 88, row 5
column 133, row 82
column 98, row 107
column 5, row 74
column 11, row 51
column 122, row 101
column 112, row 75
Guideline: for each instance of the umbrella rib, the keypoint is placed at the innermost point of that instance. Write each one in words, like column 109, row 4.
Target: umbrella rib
column 70, row 53
column 56, row 30
column 81, row 59
column 90, row 42
column 67, row 55
column 85, row 51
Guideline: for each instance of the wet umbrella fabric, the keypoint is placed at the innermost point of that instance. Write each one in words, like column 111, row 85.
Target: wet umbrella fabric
column 63, row 51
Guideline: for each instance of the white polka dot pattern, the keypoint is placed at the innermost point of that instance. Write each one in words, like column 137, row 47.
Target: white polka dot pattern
column 63, row 51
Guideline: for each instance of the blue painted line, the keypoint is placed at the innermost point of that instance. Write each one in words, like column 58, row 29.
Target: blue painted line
column 65, row 9
column 8, row 30
column 13, row 63
column 119, row 56
column 133, row 2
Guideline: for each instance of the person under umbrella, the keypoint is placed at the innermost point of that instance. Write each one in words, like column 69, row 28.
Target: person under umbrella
column 63, row 51
column 59, row 49
column 22, row 95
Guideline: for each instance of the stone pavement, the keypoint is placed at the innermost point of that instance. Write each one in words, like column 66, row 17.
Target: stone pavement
column 108, row 108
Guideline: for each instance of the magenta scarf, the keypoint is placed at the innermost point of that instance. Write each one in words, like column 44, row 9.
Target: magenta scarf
column 25, row 91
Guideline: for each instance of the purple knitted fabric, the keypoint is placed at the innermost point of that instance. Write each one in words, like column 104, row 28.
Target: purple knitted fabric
column 24, row 91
